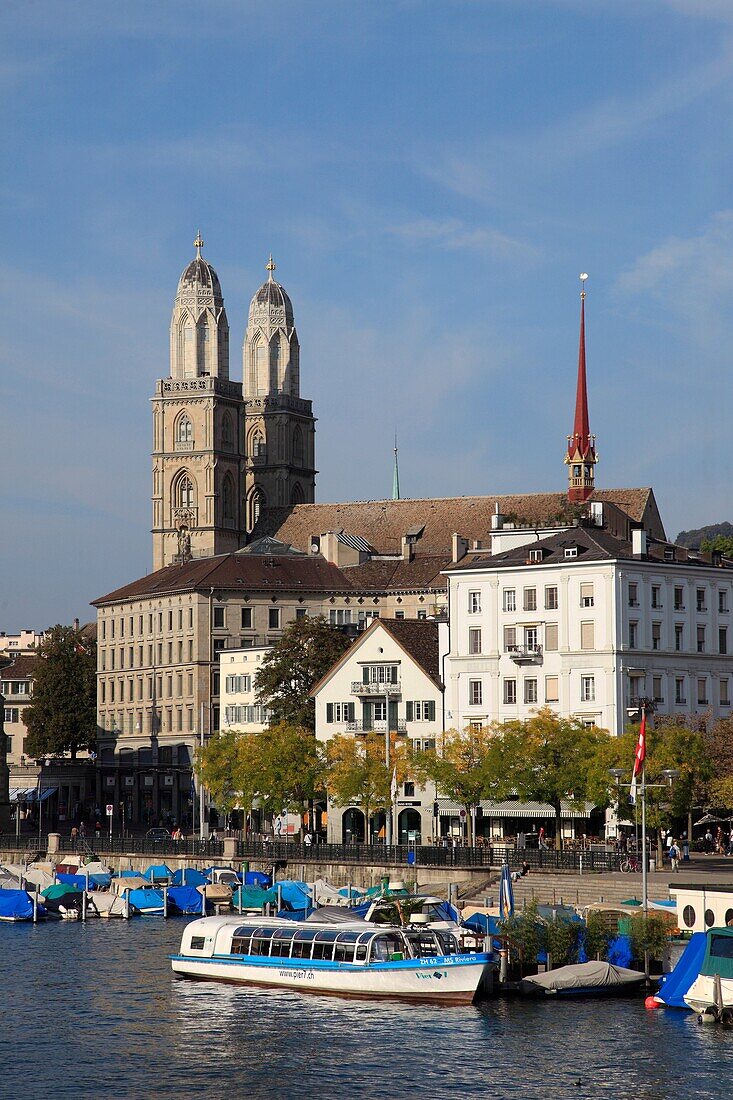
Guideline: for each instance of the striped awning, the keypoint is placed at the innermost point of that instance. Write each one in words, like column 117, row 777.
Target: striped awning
column 30, row 794
column 539, row 810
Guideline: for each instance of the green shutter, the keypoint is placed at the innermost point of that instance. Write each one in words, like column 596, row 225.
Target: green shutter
column 393, row 674
column 329, row 712
column 365, row 675
column 410, row 711
column 350, row 712
column 431, row 710
column 392, row 714
column 367, row 711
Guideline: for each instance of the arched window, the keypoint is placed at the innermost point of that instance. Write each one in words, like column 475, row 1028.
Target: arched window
column 202, row 344
column 256, row 504
column 259, row 447
column 296, row 494
column 184, row 430
column 298, row 447
column 227, row 499
column 262, row 368
column 184, row 496
column 227, row 435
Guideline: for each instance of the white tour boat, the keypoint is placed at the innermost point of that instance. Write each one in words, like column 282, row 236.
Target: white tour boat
column 353, row 959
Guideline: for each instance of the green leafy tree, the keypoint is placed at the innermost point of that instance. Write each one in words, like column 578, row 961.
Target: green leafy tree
column 357, row 772
column 465, row 766
column 304, row 653
column 554, row 760
column 718, row 741
column 723, row 543
column 63, row 715
column 289, row 767
column 226, row 768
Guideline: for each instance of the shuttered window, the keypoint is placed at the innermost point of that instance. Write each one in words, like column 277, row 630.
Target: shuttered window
column 551, row 636
column 586, row 595
column 552, row 694
column 587, row 636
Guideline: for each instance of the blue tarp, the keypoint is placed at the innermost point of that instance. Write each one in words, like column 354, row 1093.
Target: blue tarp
column 186, row 899
column 296, row 914
column 158, row 872
column 145, row 900
column 296, row 895
column 96, row 882
column 484, row 924
column 188, row 876
column 257, row 878
column 445, row 911
column 17, row 905
column 619, row 951
column 675, row 985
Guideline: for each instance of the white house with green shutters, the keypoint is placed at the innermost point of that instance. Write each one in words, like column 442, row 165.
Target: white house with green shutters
column 388, row 679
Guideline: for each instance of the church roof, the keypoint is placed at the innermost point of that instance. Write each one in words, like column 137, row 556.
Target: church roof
column 199, row 273
column 383, row 523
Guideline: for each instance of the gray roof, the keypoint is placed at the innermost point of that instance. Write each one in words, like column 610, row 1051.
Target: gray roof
column 200, row 272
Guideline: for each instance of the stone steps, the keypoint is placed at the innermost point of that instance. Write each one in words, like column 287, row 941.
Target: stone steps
column 574, row 889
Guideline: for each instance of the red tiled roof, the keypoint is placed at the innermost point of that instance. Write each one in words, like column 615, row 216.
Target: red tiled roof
column 383, row 523
column 22, row 668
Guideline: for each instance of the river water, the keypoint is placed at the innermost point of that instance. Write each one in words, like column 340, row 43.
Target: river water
column 93, row 1011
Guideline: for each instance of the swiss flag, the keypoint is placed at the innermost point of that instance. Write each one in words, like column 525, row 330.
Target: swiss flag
column 641, row 746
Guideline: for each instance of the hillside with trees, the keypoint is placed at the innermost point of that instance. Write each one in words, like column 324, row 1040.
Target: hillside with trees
column 716, row 536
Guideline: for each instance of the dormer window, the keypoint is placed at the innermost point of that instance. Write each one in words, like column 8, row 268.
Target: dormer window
column 535, row 555
column 669, row 554
column 571, row 551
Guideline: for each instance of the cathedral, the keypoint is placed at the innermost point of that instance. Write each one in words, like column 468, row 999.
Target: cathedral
column 225, row 451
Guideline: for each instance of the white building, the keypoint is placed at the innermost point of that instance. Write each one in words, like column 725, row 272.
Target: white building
column 16, row 645
column 390, row 675
column 240, row 710
column 587, row 622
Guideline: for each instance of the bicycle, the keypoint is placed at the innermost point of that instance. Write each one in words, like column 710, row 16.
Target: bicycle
column 631, row 865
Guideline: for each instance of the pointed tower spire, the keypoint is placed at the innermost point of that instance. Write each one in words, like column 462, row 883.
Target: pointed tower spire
column 198, row 244
column 396, row 475
column 270, row 267
column 581, row 455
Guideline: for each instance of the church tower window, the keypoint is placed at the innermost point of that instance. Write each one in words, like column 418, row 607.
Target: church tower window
column 256, row 504
column 185, row 495
column 227, row 500
column 227, row 435
column 298, row 447
column 259, row 447
column 184, row 432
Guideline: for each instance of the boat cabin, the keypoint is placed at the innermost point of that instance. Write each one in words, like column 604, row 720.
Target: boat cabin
column 701, row 906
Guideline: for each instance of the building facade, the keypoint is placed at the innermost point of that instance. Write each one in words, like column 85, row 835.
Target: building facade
column 239, row 709
column 20, row 645
column 588, row 623
column 388, row 680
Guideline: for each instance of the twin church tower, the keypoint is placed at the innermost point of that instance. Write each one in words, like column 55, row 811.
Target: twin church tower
column 224, row 451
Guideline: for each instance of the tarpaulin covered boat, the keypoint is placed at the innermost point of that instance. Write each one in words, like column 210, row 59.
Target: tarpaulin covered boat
column 583, row 979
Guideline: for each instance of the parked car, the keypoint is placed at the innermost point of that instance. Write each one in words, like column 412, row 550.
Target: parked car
column 157, row 835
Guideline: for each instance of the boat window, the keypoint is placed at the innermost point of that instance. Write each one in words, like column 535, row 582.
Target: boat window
column 326, row 936
column 729, row 916
column 198, row 943
column 240, row 945
column 423, row 944
column 721, row 947
column 688, row 916
column 709, row 918
column 361, row 953
column 448, row 943
column 385, row 948
column 306, row 934
column 281, row 945
column 344, row 952
column 348, row 937
column 322, row 950
column 302, row 949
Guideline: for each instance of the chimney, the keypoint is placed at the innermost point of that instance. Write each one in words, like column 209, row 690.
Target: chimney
column 408, row 548
column 460, row 546
column 76, row 624
column 638, row 542
column 497, row 520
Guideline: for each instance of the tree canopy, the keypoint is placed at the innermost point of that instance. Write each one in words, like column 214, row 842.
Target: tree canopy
column 466, row 766
column 62, row 718
column 303, row 654
column 357, row 773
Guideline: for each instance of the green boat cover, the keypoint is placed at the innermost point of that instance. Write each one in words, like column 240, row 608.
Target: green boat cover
column 60, row 890
column 718, row 953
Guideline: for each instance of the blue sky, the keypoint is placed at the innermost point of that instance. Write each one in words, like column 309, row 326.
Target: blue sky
column 431, row 176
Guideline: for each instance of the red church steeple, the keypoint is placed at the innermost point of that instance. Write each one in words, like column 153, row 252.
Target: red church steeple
column 581, row 455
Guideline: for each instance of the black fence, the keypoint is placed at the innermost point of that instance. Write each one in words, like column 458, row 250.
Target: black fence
column 9, row 842
column 143, row 846
column 429, row 856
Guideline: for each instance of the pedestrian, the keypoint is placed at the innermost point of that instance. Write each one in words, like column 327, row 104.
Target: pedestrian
column 674, row 855
column 82, row 830
column 685, row 848
column 708, row 841
column 74, row 837
column 541, row 842
column 98, row 829
column 307, row 840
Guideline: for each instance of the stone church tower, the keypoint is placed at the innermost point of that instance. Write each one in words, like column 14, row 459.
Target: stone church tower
column 221, row 458
column 279, row 424
column 198, row 428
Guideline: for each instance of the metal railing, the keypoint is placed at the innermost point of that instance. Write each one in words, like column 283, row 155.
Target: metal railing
column 428, row 855
column 358, row 687
column 142, row 846
column 359, row 726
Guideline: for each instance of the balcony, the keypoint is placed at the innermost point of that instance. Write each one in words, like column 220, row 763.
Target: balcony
column 400, row 726
column 358, row 687
column 525, row 654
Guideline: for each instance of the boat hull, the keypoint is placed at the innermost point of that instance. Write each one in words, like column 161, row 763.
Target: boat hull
column 701, row 994
column 442, row 980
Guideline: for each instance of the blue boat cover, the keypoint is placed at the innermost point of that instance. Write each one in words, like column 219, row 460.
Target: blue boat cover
column 257, row 878
column 128, row 873
column 96, row 882
column 675, row 985
column 619, row 951
column 186, row 899
column 296, row 895
column 296, row 914
column 188, row 876
column 484, row 924
column 157, row 872
column 146, row 899
column 17, row 905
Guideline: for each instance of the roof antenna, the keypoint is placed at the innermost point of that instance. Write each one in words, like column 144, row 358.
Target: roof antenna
column 396, row 474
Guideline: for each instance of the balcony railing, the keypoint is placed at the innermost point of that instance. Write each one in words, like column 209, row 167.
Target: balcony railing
column 358, row 687
column 525, row 654
column 400, row 726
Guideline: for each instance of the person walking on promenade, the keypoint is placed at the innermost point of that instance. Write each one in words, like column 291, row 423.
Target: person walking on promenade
column 674, row 855
column 74, row 837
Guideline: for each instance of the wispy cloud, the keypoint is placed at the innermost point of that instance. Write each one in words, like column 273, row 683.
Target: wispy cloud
column 456, row 235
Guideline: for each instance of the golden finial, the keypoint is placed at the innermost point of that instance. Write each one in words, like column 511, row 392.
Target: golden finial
column 198, row 244
column 270, row 266
column 583, row 277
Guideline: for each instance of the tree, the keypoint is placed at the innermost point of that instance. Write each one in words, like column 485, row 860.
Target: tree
column 357, row 772
column 304, row 653
column 465, row 766
column 723, row 543
column 63, row 715
column 224, row 766
column 554, row 760
column 718, row 741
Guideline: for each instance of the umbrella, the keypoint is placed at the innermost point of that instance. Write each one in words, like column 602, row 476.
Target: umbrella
column 709, row 819
column 506, row 893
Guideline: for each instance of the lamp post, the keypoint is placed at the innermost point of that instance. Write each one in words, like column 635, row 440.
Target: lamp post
column 670, row 774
